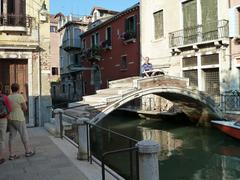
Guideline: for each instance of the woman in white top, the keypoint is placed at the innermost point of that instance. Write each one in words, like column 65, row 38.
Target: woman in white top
column 17, row 122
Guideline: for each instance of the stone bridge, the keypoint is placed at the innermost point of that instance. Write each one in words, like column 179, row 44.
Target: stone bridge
column 195, row 104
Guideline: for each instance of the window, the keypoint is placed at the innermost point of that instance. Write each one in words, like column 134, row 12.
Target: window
column 109, row 35
column 193, row 77
column 189, row 61
column 63, row 88
column 93, row 40
column 16, row 11
column 84, row 43
column 158, row 24
column 76, row 61
column 130, row 27
column 53, row 29
column 189, row 13
column 209, row 19
column 97, row 39
column 189, row 9
column 123, row 62
column 54, row 71
column 95, row 16
column 209, row 59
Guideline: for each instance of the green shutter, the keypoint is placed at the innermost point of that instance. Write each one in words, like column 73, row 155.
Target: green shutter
column 158, row 24
column 161, row 32
column 209, row 19
column 190, row 21
column 126, row 25
column 190, row 14
column 134, row 23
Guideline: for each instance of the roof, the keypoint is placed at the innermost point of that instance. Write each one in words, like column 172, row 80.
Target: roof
column 69, row 23
column 113, row 18
column 53, row 19
column 100, row 9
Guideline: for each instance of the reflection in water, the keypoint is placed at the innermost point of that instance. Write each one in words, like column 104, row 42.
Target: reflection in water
column 168, row 142
column 187, row 151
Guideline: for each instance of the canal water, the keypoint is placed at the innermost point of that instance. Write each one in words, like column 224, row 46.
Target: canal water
column 187, row 152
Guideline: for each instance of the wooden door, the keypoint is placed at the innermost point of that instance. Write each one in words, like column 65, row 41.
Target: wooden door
column 18, row 74
column 14, row 71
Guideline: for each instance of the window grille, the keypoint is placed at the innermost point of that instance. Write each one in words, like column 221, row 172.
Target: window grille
column 193, row 77
column 189, row 61
column 210, row 59
column 212, row 85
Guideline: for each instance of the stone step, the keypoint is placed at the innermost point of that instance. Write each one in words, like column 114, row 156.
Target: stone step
column 100, row 98
column 115, row 91
column 121, row 85
column 109, row 91
column 51, row 128
column 127, row 82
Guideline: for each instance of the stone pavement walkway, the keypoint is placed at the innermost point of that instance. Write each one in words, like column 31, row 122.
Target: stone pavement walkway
column 49, row 162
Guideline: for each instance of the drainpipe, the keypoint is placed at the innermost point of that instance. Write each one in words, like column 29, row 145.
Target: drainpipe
column 230, row 43
column 39, row 73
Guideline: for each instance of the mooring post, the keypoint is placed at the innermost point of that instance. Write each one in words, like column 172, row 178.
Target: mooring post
column 148, row 160
column 82, row 139
column 58, row 122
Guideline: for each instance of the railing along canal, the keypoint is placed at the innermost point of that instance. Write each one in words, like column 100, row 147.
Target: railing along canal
column 230, row 101
column 100, row 151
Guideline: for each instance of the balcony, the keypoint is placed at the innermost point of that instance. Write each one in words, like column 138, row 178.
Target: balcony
column 107, row 44
column 129, row 37
column 71, row 45
column 94, row 54
column 14, row 23
column 200, row 34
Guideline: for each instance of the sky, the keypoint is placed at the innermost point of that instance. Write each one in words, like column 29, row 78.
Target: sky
column 84, row 7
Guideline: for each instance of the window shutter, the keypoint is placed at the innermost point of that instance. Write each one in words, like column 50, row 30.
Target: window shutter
column 134, row 23
column 158, row 24
column 126, row 25
column 190, row 14
column 233, row 22
column 161, row 31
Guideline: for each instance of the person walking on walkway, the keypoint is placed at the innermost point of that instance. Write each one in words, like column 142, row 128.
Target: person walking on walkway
column 17, row 122
column 5, row 109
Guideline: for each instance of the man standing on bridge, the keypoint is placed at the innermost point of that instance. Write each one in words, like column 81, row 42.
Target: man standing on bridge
column 147, row 67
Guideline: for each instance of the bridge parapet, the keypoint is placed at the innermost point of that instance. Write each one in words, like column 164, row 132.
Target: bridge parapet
column 161, row 80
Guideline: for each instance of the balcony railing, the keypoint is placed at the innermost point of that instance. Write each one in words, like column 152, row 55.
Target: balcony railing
column 129, row 36
column 15, row 20
column 107, row 44
column 198, row 34
column 71, row 44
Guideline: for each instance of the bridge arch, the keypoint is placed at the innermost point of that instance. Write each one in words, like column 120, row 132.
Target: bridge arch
column 196, row 104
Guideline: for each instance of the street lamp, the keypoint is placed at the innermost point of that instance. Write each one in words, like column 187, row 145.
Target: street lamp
column 43, row 12
column 42, row 18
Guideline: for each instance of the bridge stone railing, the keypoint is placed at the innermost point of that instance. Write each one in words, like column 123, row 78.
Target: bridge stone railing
column 162, row 80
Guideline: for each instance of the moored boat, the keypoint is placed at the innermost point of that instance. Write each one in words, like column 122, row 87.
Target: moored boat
column 231, row 128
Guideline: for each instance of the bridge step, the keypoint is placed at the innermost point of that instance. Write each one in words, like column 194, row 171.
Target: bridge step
column 114, row 91
column 127, row 82
column 121, row 85
column 100, row 98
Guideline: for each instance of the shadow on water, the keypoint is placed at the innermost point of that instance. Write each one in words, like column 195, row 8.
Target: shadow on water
column 186, row 151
